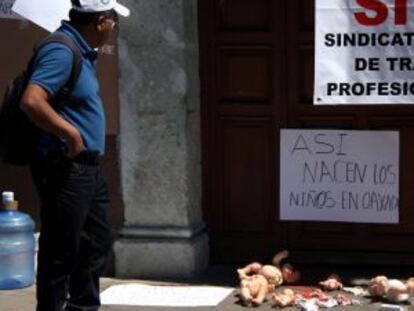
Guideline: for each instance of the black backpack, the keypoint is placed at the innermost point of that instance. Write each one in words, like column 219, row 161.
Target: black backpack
column 18, row 135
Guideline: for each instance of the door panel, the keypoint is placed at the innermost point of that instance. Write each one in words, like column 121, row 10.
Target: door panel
column 247, row 148
column 237, row 63
column 245, row 15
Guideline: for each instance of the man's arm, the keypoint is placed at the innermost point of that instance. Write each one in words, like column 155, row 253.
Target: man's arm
column 35, row 104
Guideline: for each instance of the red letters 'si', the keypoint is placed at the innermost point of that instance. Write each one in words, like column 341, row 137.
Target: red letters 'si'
column 381, row 10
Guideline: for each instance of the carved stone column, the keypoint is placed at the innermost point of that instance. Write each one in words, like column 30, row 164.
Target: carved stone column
column 163, row 234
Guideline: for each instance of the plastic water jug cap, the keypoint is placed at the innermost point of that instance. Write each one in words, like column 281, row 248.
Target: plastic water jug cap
column 8, row 196
column 8, row 200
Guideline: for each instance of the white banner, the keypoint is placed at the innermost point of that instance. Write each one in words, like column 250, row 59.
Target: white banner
column 364, row 52
column 137, row 294
column 47, row 14
column 344, row 176
column 6, row 9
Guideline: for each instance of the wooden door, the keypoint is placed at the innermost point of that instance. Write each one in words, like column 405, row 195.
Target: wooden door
column 257, row 77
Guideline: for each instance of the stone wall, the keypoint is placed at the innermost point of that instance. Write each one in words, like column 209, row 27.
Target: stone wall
column 163, row 233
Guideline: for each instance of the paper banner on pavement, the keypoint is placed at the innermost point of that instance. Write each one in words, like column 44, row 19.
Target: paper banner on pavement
column 47, row 14
column 166, row 296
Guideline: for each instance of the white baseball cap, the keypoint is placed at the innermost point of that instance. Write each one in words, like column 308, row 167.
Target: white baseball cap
column 92, row 6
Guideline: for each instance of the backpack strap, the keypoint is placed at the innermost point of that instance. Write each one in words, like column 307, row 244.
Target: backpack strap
column 59, row 37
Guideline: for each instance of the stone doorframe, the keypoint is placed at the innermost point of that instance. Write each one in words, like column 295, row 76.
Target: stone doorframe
column 163, row 233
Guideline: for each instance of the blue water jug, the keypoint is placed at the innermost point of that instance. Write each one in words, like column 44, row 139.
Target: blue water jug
column 17, row 246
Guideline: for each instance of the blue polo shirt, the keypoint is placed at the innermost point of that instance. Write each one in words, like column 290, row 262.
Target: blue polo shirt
column 51, row 70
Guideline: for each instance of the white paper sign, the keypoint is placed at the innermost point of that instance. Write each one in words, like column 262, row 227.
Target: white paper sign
column 335, row 175
column 167, row 296
column 6, row 9
column 47, row 14
column 364, row 52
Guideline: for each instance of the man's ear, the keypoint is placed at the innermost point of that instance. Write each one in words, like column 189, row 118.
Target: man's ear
column 100, row 23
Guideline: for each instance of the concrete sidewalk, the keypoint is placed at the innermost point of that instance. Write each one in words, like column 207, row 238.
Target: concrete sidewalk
column 24, row 299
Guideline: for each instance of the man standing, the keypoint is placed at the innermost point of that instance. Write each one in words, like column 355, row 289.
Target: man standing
column 75, row 237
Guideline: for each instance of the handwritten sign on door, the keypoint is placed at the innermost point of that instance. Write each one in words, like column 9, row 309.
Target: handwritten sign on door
column 339, row 175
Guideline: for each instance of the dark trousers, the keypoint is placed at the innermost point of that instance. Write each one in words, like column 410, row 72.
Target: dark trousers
column 75, row 237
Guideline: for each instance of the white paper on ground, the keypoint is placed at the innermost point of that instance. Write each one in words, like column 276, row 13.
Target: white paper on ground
column 47, row 14
column 166, row 296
